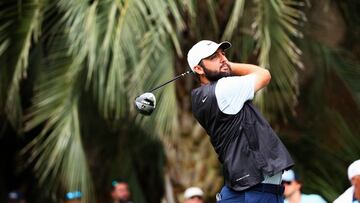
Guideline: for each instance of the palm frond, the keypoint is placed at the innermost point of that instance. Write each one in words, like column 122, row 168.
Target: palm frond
column 118, row 53
column 57, row 152
column 164, row 118
column 101, row 36
column 338, row 61
column 155, row 68
column 175, row 13
column 233, row 22
column 276, row 21
column 190, row 7
column 81, row 20
column 4, row 38
column 211, row 5
column 21, row 25
column 157, row 10
column 126, row 57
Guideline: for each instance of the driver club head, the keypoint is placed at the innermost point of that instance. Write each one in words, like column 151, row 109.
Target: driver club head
column 145, row 103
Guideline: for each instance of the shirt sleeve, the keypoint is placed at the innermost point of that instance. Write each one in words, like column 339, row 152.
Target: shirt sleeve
column 232, row 92
column 312, row 198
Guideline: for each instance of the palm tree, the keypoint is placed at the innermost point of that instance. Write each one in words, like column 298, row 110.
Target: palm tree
column 88, row 60
column 77, row 51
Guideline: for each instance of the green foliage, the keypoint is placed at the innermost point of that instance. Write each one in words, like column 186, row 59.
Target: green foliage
column 20, row 24
column 325, row 140
column 88, row 60
column 108, row 48
column 275, row 24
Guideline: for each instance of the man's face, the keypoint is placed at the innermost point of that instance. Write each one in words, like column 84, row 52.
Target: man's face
column 195, row 199
column 355, row 181
column 216, row 66
column 121, row 192
column 291, row 187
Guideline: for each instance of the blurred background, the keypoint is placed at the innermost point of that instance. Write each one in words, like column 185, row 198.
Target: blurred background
column 70, row 71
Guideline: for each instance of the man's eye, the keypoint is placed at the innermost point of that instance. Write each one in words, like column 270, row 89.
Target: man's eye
column 213, row 56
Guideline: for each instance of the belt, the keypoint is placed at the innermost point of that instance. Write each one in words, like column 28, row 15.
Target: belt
column 269, row 188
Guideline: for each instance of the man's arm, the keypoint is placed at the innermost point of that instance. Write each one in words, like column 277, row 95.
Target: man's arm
column 262, row 75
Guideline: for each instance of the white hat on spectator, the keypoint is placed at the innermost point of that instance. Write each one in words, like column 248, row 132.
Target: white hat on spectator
column 354, row 169
column 193, row 192
column 288, row 176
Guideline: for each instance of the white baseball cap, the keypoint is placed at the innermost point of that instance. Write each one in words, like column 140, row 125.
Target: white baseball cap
column 192, row 192
column 354, row 169
column 288, row 176
column 203, row 49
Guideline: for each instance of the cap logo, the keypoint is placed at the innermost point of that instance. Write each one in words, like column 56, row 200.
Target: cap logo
column 209, row 43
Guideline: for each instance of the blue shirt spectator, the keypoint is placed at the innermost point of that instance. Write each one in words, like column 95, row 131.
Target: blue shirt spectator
column 292, row 192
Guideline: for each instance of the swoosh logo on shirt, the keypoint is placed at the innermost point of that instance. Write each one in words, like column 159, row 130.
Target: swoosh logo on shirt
column 204, row 99
column 245, row 176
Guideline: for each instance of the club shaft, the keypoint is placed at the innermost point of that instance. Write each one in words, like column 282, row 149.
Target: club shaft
column 175, row 78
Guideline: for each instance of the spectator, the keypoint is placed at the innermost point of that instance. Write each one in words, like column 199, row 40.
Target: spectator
column 120, row 192
column 15, row 197
column 352, row 194
column 292, row 190
column 194, row 195
column 73, row 197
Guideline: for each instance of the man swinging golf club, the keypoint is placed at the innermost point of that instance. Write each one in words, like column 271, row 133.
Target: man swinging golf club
column 252, row 155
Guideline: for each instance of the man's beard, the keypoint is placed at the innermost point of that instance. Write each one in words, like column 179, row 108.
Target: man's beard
column 216, row 75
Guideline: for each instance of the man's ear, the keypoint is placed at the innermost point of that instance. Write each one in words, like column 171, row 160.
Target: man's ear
column 199, row 70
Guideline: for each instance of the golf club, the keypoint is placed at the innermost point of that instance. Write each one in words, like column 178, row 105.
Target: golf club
column 146, row 103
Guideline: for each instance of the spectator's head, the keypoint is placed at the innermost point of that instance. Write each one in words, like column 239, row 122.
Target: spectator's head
column 15, row 197
column 193, row 195
column 73, row 197
column 291, row 183
column 354, row 173
column 120, row 191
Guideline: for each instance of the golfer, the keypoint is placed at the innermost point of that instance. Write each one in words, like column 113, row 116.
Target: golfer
column 252, row 155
